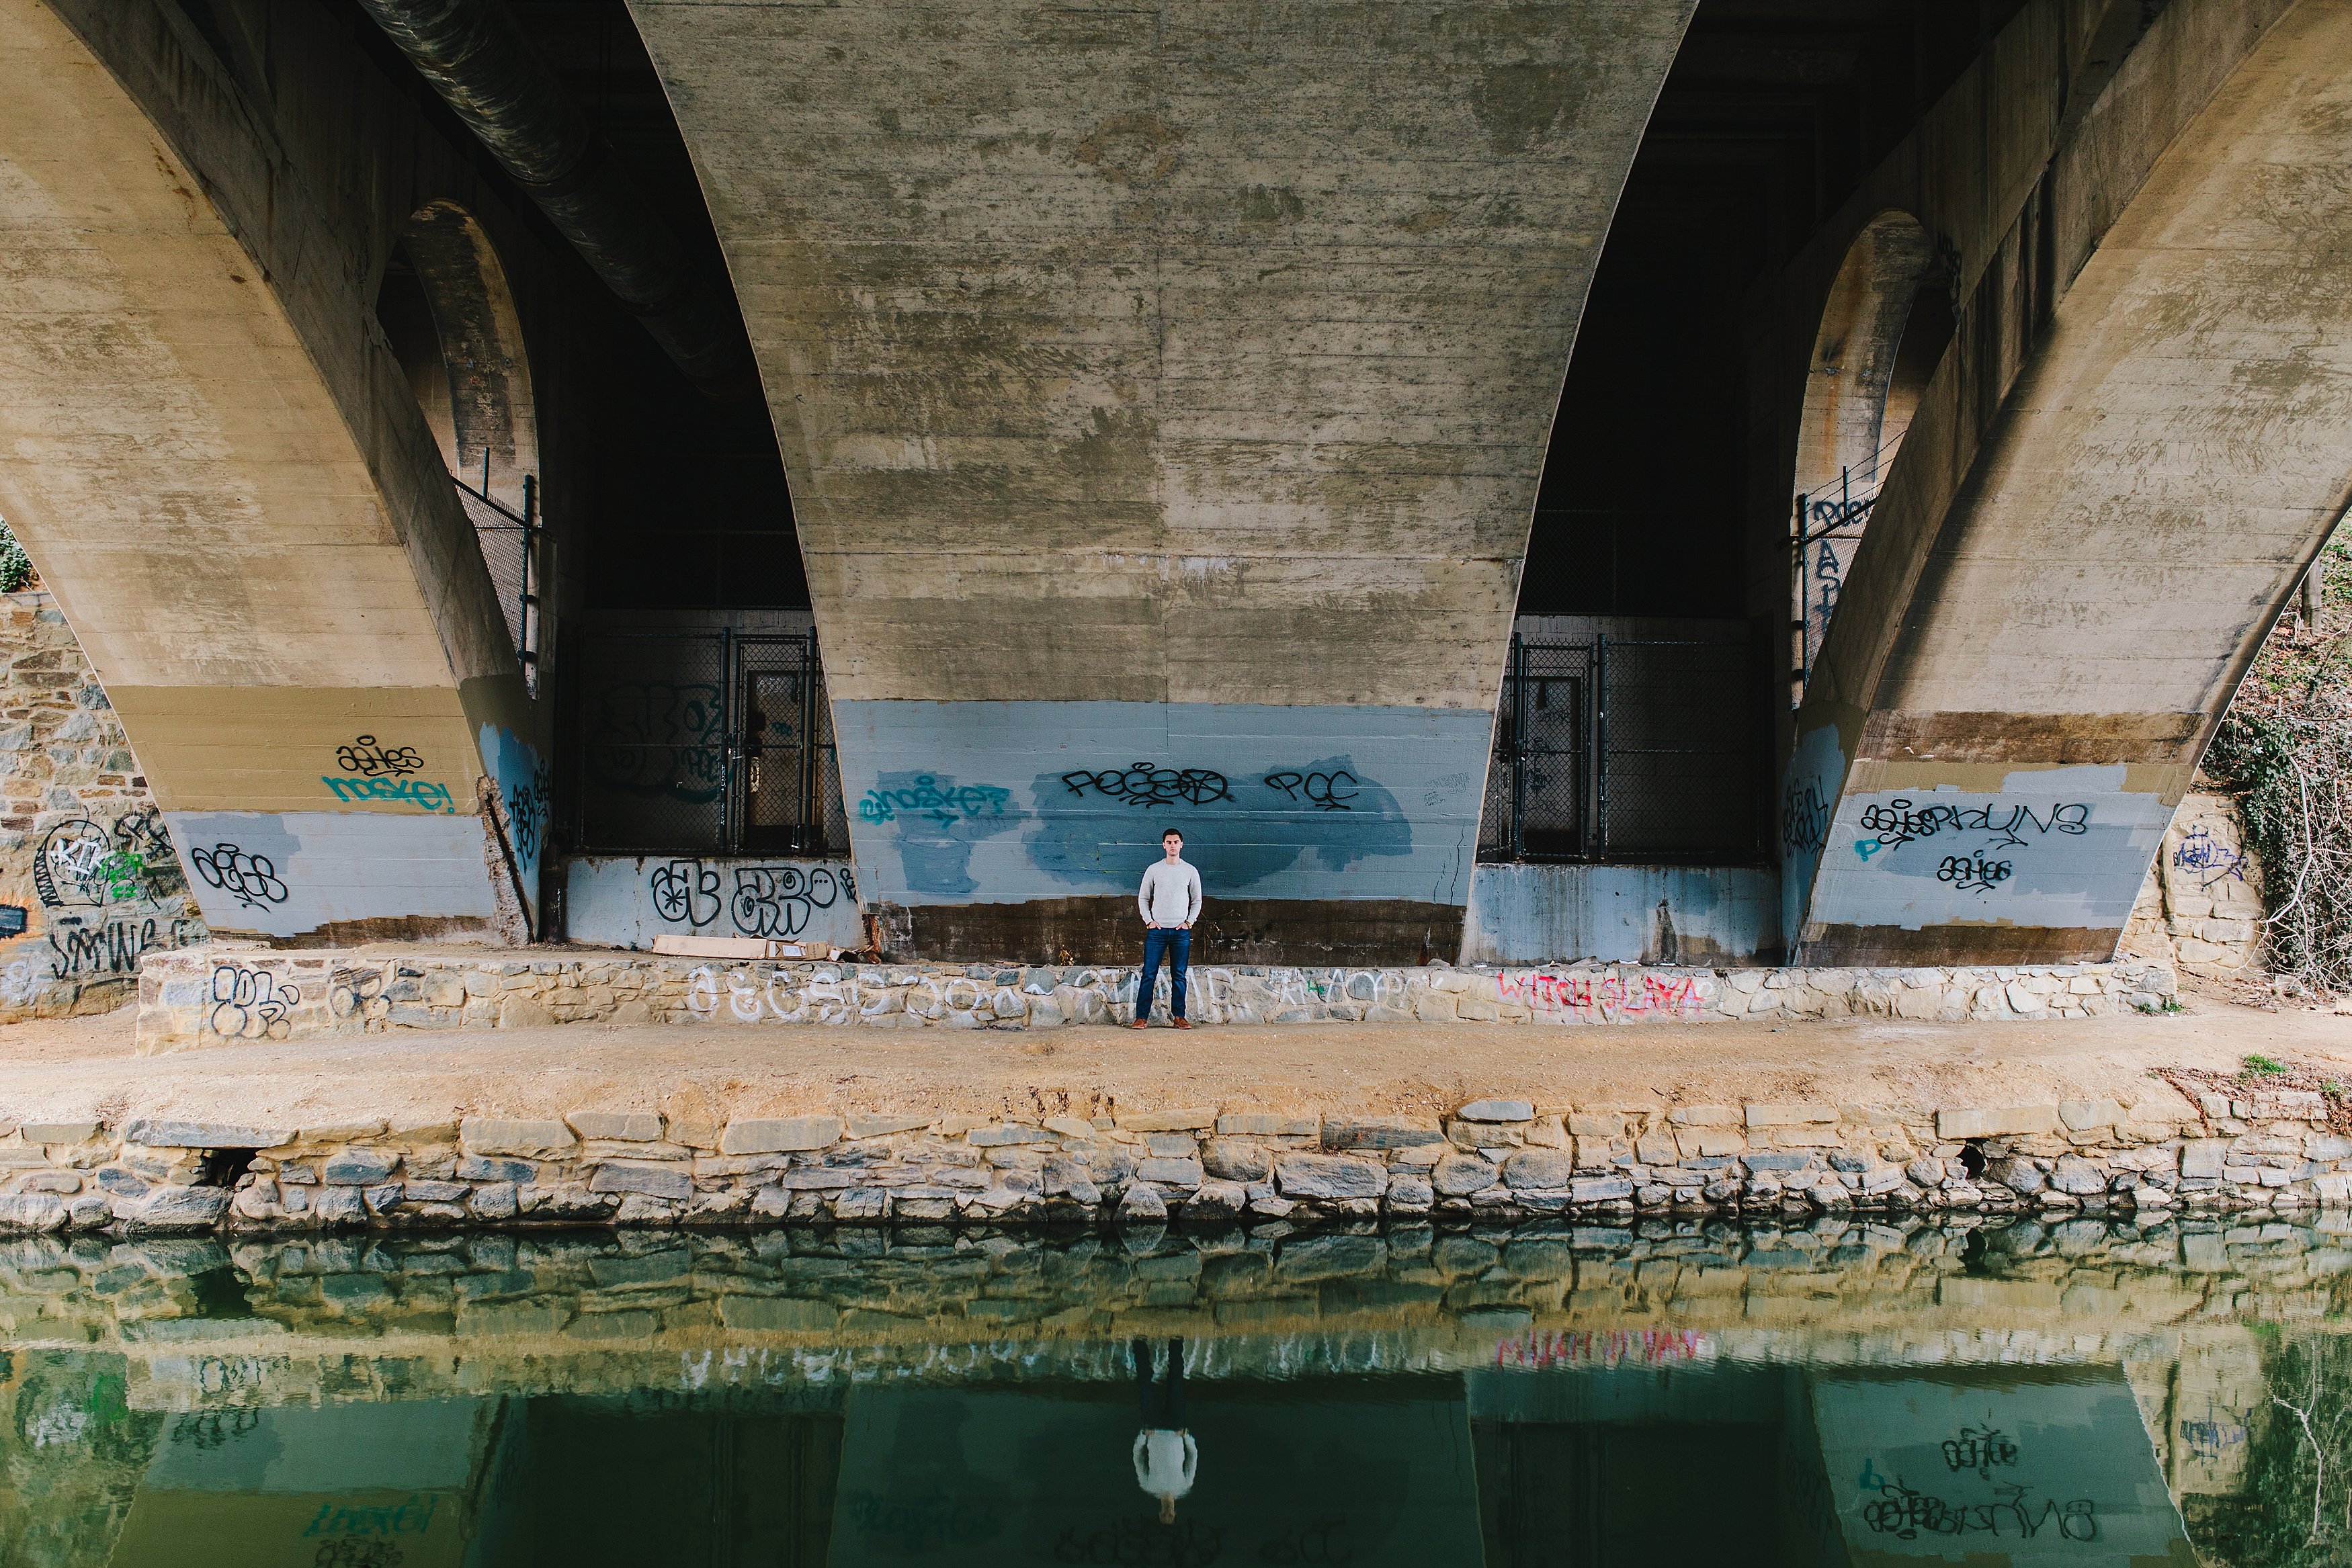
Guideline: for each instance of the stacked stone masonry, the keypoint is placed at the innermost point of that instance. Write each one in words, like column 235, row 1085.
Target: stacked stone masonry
column 1491, row 1159
column 89, row 881
column 212, row 996
column 2200, row 910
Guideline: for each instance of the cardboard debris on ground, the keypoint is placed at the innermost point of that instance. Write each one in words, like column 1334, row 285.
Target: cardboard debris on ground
column 745, row 948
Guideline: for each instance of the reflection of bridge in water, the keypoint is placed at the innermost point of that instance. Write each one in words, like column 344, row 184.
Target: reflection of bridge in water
column 1899, row 1389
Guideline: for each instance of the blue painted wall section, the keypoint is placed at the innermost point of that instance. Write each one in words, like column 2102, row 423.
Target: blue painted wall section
column 281, row 873
column 1007, row 802
column 1622, row 914
column 1808, row 794
column 521, row 779
column 626, row 902
column 2060, row 847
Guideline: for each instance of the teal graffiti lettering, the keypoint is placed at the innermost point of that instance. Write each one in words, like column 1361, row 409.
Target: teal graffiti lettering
column 926, row 797
column 417, row 792
column 1867, row 848
column 413, row 1516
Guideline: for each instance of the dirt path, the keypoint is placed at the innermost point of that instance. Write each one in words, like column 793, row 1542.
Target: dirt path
column 74, row 1069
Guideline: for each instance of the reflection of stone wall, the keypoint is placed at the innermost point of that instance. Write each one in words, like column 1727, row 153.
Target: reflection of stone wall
column 84, row 855
column 2202, row 906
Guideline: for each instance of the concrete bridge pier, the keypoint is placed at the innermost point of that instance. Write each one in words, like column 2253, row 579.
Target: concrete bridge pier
column 2068, row 572
column 213, row 457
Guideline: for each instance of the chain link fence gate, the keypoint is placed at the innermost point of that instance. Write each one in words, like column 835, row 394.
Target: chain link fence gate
column 706, row 742
column 1625, row 748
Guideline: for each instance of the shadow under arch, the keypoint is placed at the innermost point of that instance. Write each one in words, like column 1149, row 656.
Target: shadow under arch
column 449, row 314
column 446, row 305
column 1884, row 328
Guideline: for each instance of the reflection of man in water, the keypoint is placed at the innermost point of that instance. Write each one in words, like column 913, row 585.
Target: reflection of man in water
column 1165, row 1454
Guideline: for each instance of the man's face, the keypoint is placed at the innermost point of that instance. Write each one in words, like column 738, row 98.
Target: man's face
column 1174, row 844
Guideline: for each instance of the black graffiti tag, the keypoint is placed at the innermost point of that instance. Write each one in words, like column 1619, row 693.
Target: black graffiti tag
column 1899, row 822
column 113, row 949
column 1973, row 873
column 250, row 1004
column 527, row 806
column 1325, row 791
column 687, row 891
column 251, row 879
column 1804, row 818
column 1141, row 784
column 1979, row 1450
column 777, row 901
column 350, row 990
column 364, row 759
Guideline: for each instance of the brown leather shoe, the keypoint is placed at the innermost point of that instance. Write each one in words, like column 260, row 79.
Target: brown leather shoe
column 1182, row 1024
column 1141, row 1023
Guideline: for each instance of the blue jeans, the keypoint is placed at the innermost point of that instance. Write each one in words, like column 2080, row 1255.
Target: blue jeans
column 1178, row 945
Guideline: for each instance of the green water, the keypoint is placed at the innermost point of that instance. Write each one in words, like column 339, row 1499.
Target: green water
column 1672, row 1394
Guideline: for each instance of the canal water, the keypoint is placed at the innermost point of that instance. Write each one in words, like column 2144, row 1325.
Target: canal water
column 1667, row 1393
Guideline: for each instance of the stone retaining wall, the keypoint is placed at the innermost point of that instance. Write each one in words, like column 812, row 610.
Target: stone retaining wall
column 89, row 881
column 1495, row 1158
column 212, row 996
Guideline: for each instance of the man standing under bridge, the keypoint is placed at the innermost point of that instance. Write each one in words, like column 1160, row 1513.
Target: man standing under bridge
column 1170, row 903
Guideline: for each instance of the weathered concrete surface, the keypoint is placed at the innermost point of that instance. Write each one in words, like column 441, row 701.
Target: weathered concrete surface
column 209, row 450
column 1165, row 385
column 2050, row 610
column 1528, row 914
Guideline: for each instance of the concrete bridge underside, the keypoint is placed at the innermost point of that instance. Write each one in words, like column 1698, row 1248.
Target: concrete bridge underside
column 213, row 458
column 1164, row 392
column 2060, row 590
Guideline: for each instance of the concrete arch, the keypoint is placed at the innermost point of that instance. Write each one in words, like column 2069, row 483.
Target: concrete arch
column 482, row 359
column 2046, row 624
column 1883, row 328
column 219, row 470
column 1168, row 388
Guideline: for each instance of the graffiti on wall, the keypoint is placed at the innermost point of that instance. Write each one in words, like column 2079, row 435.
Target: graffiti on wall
column 1326, row 791
column 1980, row 869
column 1607, row 998
column 1804, row 817
column 660, row 739
column 112, row 949
column 421, row 793
column 1329, row 812
column 1141, row 784
column 251, row 879
column 934, row 797
column 2216, row 860
column 250, row 1004
column 82, row 864
column 628, row 902
column 1899, row 822
column 1353, row 803
column 365, row 758
column 774, row 900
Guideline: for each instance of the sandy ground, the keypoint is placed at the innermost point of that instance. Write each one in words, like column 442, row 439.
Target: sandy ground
column 75, row 1068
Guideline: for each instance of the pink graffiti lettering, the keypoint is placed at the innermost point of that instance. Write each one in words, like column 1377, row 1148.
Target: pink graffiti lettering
column 1599, row 1348
column 1608, row 997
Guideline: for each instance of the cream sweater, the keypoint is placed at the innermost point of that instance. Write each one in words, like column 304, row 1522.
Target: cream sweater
column 1170, row 894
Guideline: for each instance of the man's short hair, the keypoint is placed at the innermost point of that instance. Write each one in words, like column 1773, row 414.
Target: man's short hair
column 1168, row 833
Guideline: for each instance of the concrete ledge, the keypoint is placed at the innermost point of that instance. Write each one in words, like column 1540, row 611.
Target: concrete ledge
column 210, row 995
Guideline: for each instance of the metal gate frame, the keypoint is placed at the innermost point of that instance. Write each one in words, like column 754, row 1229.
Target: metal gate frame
column 822, row 828
column 1590, row 839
